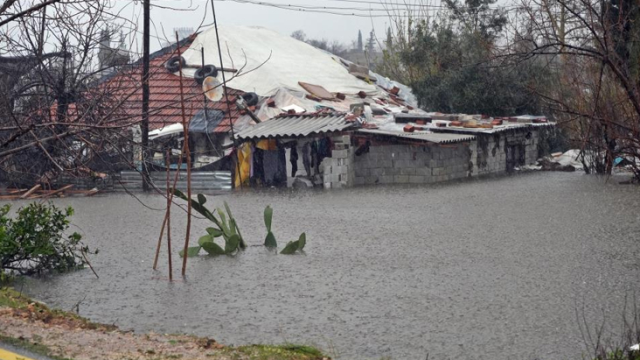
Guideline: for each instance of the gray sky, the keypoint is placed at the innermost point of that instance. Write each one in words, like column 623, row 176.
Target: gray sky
column 169, row 14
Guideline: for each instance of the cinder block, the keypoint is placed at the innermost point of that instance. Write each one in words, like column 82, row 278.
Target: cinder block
column 345, row 139
column 376, row 171
column 359, row 180
column 408, row 171
column 339, row 154
column 371, row 179
column 391, row 171
column 424, row 171
column 386, row 179
column 401, row 179
column 416, row 179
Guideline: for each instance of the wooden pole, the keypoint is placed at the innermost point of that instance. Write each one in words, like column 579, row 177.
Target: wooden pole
column 168, row 216
column 226, row 96
column 144, row 125
column 31, row 191
column 185, row 128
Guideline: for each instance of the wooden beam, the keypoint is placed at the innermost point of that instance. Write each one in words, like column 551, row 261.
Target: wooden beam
column 31, row 191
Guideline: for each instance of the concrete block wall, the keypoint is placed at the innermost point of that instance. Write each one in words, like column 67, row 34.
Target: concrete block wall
column 491, row 154
column 531, row 146
column 338, row 170
column 405, row 164
column 491, row 150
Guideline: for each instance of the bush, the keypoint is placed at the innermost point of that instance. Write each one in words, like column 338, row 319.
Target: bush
column 35, row 242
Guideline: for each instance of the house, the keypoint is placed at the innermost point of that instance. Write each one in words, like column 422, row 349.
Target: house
column 313, row 118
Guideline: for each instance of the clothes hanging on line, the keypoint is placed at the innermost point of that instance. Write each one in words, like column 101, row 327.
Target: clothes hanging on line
column 293, row 158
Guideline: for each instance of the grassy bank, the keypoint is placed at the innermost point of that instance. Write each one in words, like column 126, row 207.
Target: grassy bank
column 63, row 335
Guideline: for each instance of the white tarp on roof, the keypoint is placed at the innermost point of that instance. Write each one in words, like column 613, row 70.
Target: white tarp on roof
column 291, row 61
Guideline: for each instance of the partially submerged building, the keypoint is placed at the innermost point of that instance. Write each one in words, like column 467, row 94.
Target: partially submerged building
column 292, row 114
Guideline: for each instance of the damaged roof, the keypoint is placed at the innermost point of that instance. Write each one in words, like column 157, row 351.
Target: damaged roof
column 164, row 98
column 300, row 125
column 494, row 130
column 437, row 138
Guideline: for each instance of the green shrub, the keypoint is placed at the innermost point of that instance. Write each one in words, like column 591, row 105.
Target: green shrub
column 35, row 241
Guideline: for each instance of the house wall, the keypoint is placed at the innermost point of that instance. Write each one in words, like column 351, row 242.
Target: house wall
column 407, row 164
column 403, row 164
column 338, row 170
column 491, row 150
column 422, row 164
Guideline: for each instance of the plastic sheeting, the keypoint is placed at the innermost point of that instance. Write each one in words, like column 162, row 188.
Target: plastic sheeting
column 206, row 124
column 287, row 61
column 570, row 157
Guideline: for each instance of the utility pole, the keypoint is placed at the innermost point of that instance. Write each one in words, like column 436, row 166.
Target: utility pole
column 145, row 96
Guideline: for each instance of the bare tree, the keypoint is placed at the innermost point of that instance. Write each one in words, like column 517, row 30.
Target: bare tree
column 591, row 46
column 54, row 117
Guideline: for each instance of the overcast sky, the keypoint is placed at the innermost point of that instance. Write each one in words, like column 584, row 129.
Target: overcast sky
column 169, row 14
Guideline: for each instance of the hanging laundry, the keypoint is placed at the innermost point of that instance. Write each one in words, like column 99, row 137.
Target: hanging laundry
column 315, row 160
column 267, row 144
column 306, row 158
column 281, row 174
column 258, row 167
column 270, row 166
column 243, row 165
column 293, row 158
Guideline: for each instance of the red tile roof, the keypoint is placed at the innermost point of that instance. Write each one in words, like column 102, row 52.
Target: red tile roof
column 164, row 98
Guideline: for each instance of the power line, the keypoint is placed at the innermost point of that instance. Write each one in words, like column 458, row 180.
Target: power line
column 356, row 12
column 312, row 10
column 410, row 5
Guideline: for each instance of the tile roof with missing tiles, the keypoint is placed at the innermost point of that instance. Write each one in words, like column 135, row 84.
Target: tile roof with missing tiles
column 164, row 98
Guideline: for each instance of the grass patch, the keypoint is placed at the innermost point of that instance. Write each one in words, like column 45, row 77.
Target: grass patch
column 38, row 311
column 11, row 298
column 280, row 352
column 32, row 347
column 25, row 307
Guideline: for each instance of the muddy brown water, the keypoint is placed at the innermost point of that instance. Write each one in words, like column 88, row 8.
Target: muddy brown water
column 487, row 269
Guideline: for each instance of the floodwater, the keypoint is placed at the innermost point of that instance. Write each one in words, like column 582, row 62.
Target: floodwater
column 486, row 269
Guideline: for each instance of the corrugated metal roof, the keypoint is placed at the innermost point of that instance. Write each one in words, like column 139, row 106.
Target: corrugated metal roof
column 296, row 126
column 438, row 138
column 496, row 129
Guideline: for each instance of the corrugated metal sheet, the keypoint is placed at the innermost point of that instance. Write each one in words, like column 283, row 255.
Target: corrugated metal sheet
column 201, row 181
column 497, row 129
column 296, row 126
column 438, row 138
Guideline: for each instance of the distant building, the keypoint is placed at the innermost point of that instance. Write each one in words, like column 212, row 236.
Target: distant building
column 110, row 58
column 183, row 33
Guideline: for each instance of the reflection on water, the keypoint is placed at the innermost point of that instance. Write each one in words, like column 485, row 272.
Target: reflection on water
column 489, row 269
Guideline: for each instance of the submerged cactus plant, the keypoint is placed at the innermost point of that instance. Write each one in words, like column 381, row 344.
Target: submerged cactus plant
column 293, row 246
column 270, row 240
column 228, row 230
